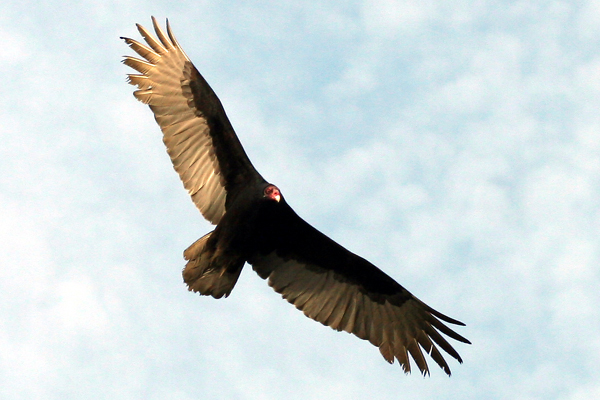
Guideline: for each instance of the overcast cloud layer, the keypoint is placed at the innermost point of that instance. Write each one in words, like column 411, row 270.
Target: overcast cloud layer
column 454, row 145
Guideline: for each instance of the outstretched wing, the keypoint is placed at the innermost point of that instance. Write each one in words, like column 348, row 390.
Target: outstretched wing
column 346, row 292
column 200, row 140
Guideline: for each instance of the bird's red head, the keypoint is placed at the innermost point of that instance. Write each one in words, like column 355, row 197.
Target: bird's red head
column 272, row 192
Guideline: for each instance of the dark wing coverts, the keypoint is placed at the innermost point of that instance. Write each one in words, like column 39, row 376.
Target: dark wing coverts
column 202, row 145
column 324, row 280
column 346, row 292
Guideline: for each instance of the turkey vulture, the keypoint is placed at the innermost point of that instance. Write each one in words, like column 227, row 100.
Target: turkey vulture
column 254, row 223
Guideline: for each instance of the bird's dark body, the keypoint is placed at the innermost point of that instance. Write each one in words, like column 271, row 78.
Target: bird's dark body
column 255, row 225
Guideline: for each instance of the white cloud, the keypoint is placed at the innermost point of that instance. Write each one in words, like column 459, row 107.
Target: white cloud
column 390, row 17
column 456, row 147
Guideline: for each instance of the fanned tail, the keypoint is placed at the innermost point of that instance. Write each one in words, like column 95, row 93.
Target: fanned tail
column 209, row 273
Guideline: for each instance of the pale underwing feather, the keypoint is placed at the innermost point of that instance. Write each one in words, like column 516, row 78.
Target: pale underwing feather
column 396, row 329
column 165, row 87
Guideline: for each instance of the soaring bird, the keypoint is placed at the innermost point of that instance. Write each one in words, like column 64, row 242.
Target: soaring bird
column 255, row 224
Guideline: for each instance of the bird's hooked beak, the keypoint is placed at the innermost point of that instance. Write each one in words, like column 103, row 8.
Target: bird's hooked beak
column 272, row 192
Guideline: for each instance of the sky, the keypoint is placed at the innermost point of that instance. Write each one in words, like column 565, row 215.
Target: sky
column 456, row 145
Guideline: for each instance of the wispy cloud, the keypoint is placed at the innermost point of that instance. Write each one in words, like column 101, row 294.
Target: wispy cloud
column 456, row 147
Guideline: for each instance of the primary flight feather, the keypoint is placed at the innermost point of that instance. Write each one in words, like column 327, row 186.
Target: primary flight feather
column 254, row 223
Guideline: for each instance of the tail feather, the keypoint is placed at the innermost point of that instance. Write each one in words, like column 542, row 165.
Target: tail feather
column 209, row 273
column 197, row 247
